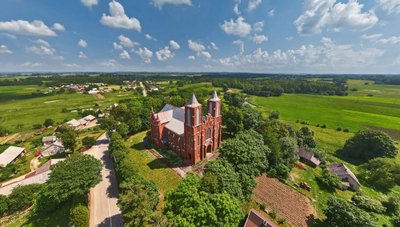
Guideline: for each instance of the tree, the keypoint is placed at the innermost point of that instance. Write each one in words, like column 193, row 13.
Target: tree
column 48, row 122
column 189, row 206
column 88, row 141
column 234, row 99
column 68, row 137
column 23, row 197
column 138, row 200
column 382, row 173
column 368, row 204
column 246, row 152
column 305, row 138
column 331, row 181
column 274, row 115
column 342, row 213
column 79, row 216
column 366, row 145
column 3, row 204
column 220, row 176
column 70, row 178
column 251, row 118
column 233, row 120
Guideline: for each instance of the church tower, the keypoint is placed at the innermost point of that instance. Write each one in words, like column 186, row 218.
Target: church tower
column 214, row 109
column 193, row 120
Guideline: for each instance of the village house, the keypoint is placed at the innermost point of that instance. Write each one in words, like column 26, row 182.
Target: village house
column 10, row 155
column 308, row 158
column 254, row 219
column 349, row 180
column 49, row 140
column 73, row 123
column 82, row 123
column 53, row 149
column 186, row 131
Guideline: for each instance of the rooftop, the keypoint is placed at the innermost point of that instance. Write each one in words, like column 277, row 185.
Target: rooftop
column 254, row 219
column 342, row 170
column 9, row 155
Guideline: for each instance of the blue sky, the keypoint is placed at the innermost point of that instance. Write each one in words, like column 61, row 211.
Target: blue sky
column 288, row 36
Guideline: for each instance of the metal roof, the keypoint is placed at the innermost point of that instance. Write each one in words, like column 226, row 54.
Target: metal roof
column 9, row 155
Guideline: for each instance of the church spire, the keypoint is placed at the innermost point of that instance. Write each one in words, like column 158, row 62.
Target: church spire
column 193, row 101
column 214, row 96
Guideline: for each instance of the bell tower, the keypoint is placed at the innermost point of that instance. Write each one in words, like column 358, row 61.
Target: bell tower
column 214, row 109
column 193, row 121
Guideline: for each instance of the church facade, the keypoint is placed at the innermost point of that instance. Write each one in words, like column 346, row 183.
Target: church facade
column 186, row 130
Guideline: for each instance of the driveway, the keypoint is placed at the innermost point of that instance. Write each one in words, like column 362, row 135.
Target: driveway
column 103, row 198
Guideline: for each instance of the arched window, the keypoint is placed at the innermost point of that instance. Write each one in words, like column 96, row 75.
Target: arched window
column 197, row 116
column 188, row 117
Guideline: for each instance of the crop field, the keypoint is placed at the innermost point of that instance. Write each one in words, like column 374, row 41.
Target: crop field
column 354, row 112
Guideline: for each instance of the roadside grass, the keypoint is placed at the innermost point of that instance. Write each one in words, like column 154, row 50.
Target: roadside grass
column 151, row 168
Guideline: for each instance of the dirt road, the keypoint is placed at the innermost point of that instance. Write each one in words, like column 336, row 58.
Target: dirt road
column 103, row 198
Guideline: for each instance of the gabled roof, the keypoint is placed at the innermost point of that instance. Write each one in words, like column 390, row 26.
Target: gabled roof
column 73, row 123
column 89, row 118
column 193, row 102
column 254, row 219
column 49, row 139
column 342, row 171
column 174, row 117
column 214, row 96
column 9, row 155
column 309, row 156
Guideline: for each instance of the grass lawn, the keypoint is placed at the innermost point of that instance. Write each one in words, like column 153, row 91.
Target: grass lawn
column 151, row 168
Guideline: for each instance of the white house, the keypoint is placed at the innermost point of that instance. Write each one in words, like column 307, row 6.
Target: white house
column 10, row 155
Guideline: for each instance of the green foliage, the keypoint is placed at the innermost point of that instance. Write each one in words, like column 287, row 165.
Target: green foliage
column 36, row 126
column 233, row 120
column 88, row 141
column 48, row 122
column 138, row 199
column 392, row 205
column 23, row 197
column 252, row 118
column 68, row 136
column 366, row 145
column 70, row 178
column 220, row 177
column 382, row 173
column 246, row 152
column 188, row 205
column 341, row 213
column 331, row 181
column 4, row 201
column 233, row 99
column 122, row 129
column 368, row 204
column 79, row 216
column 305, row 138
column 274, row 115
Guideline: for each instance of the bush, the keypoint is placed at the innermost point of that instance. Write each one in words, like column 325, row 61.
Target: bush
column 396, row 220
column 23, row 197
column 36, row 126
column 366, row 145
column 392, row 205
column 79, row 216
column 323, row 126
column 382, row 173
column 330, row 180
column 88, row 141
column 48, row 122
column 346, row 130
column 3, row 205
column 368, row 204
column 339, row 129
column 274, row 115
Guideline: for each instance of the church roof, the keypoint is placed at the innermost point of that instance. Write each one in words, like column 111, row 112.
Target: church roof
column 214, row 96
column 174, row 117
column 193, row 102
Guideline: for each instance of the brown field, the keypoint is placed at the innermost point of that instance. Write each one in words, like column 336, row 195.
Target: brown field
column 290, row 204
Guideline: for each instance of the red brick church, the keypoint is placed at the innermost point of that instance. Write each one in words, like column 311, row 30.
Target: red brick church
column 186, row 131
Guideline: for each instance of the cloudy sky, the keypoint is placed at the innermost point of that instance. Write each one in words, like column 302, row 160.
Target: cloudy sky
column 299, row 36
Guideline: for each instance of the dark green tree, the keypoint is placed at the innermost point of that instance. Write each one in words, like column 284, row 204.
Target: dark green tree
column 3, row 204
column 366, row 145
column 48, row 122
column 233, row 120
column 88, row 141
column 79, row 216
column 274, row 115
column 23, row 197
column 382, row 173
column 68, row 137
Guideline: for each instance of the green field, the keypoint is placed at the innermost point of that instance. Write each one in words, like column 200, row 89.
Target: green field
column 355, row 112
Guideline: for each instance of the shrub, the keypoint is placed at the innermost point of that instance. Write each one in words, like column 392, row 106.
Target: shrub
column 23, row 196
column 88, row 141
column 381, row 173
column 368, row 204
column 274, row 115
column 3, row 204
column 36, row 126
column 48, row 122
column 339, row 129
column 273, row 214
column 79, row 216
column 346, row 130
column 330, row 180
column 281, row 221
column 396, row 220
column 323, row 126
column 392, row 205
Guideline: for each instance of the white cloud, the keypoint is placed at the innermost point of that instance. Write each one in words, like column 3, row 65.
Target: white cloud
column 22, row 27
column 236, row 9
column 327, row 55
column 125, row 41
column 89, row 3
column 8, row 35
column 319, row 14
column 149, row 37
column 71, row 65
column 377, row 38
column 205, row 54
column 82, row 55
column 160, row 3
column 82, row 43
column 214, row 46
column 118, row 18
column 44, row 49
column 125, row 55
column 110, row 63
column 240, row 43
column 174, row 45
column 145, row 54
column 253, row 4
column 259, row 26
column 31, row 64
column 164, row 54
column 58, row 27
column 259, row 38
column 116, row 46
column 390, row 6
column 238, row 27
column 271, row 13
column 191, row 57
column 289, row 38
column 371, row 37
column 4, row 50
column 197, row 47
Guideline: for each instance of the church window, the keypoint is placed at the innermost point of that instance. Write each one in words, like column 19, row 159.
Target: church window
column 197, row 116
column 188, row 117
column 208, row 134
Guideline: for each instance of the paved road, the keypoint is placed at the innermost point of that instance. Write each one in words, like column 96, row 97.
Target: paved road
column 103, row 198
column 144, row 89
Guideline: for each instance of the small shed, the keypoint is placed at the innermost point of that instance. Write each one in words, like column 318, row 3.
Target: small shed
column 308, row 158
column 53, row 149
column 349, row 180
column 74, row 123
column 48, row 140
column 254, row 219
column 10, row 155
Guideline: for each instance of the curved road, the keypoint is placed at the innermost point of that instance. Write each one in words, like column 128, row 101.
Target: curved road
column 103, row 198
